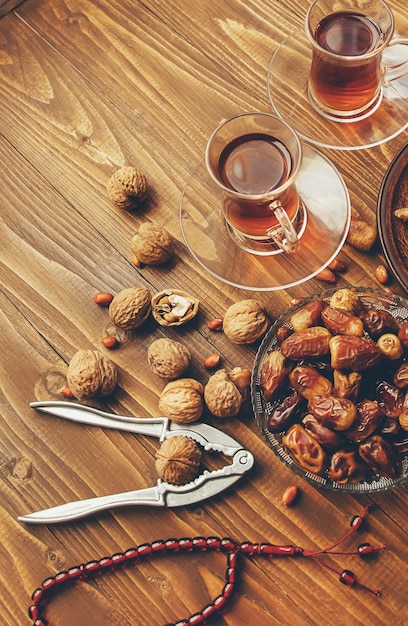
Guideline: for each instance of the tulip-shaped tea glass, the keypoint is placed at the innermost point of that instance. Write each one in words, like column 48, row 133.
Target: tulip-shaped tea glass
column 254, row 159
column 348, row 39
column 341, row 81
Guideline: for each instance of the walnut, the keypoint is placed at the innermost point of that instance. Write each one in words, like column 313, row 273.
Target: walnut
column 151, row 245
column 168, row 358
column 127, row 187
column 245, row 321
column 173, row 307
column 222, row 396
column 91, row 373
column 182, row 400
column 130, row 307
column 178, row 460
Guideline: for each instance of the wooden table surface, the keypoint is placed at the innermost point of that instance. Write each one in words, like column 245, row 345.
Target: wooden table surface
column 87, row 87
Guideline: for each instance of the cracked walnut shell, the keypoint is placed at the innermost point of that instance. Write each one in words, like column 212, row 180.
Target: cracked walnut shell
column 151, row 245
column 178, row 460
column 127, row 187
column 182, row 400
column 173, row 307
column 91, row 373
column 130, row 308
column 222, row 396
column 245, row 321
column 168, row 358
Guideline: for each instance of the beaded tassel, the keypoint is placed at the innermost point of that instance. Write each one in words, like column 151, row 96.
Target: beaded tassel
column 232, row 549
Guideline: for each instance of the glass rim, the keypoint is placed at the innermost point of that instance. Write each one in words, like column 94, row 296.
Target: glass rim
column 354, row 58
column 268, row 195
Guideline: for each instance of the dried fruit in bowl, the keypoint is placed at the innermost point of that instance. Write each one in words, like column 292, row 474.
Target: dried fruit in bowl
column 274, row 374
column 335, row 413
column 308, row 382
column 339, row 402
column 381, row 456
column 304, row 449
column 307, row 343
column 348, row 352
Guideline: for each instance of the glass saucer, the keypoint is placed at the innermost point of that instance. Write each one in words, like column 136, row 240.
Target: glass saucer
column 288, row 93
column 207, row 236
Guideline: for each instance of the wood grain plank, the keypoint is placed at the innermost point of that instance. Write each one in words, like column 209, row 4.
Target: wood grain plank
column 85, row 88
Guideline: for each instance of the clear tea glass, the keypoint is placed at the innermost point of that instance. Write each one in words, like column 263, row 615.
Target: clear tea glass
column 347, row 73
column 254, row 158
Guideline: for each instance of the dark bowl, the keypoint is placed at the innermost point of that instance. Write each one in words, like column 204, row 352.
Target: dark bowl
column 392, row 231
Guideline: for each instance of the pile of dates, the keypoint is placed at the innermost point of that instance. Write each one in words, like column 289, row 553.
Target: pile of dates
column 336, row 388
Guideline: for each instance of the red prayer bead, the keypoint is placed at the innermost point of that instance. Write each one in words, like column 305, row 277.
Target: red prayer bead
column 37, row 595
column 147, row 548
column 34, row 612
column 91, row 566
column 232, row 559
column 365, row 548
column 230, row 575
column 118, row 558
column 219, row 602
column 48, row 583
column 200, row 543
column 208, row 610
column 186, row 544
column 228, row 544
column 156, row 546
column 228, row 590
column 347, row 578
column 214, row 543
column 75, row 572
column 195, row 619
column 131, row 554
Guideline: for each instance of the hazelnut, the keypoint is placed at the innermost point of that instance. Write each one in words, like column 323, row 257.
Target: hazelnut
column 168, row 358
column 91, row 373
column 245, row 321
column 173, row 307
column 130, row 307
column 151, row 245
column 178, row 460
column 127, row 187
column 182, row 400
column 222, row 396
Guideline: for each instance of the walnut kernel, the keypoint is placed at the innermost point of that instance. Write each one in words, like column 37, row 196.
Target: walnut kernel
column 151, row 245
column 173, row 307
column 127, row 187
column 182, row 400
column 245, row 321
column 178, row 460
column 91, row 373
column 168, row 358
column 222, row 396
column 130, row 307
